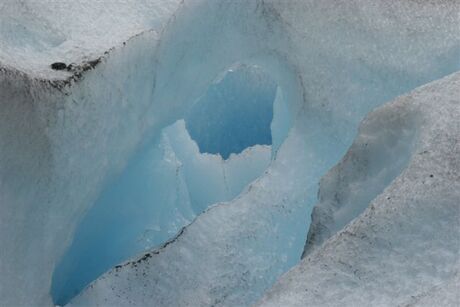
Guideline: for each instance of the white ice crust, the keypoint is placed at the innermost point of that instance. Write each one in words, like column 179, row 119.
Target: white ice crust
column 65, row 134
column 404, row 248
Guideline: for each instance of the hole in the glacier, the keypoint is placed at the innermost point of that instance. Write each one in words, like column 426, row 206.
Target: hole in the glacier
column 221, row 145
column 235, row 112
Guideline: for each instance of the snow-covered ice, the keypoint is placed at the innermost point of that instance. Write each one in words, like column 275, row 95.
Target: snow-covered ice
column 155, row 197
column 61, row 138
column 404, row 248
column 140, row 66
column 35, row 34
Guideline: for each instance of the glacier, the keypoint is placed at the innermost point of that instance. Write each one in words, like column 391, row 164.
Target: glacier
column 403, row 249
column 125, row 128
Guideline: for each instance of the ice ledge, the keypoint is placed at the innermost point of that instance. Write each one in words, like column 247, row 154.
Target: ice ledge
column 53, row 136
column 74, row 72
column 34, row 34
column 406, row 242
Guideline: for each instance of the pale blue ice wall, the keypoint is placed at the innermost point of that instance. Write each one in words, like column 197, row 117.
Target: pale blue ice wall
column 167, row 183
column 234, row 113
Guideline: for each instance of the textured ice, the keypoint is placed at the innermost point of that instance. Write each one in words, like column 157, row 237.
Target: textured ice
column 404, row 249
column 56, row 153
column 35, row 34
column 233, row 252
column 140, row 65
column 445, row 294
column 156, row 196
column 60, row 140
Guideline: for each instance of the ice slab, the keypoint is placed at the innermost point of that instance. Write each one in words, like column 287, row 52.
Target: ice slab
column 58, row 147
column 226, row 256
column 235, row 112
column 157, row 194
column 403, row 249
column 445, row 294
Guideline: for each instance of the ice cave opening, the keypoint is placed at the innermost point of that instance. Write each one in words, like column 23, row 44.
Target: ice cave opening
column 244, row 99
column 222, row 144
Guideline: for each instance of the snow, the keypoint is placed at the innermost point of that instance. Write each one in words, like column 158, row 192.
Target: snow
column 66, row 135
column 404, row 248
column 35, row 34
column 445, row 294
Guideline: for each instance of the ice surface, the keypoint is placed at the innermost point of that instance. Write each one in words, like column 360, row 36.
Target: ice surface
column 404, row 249
column 35, row 34
column 158, row 192
column 380, row 152
column 234, row 251
column 156, row 196
column 63, row 141
column 445, row 294
column 57, row 152
column 226, row 256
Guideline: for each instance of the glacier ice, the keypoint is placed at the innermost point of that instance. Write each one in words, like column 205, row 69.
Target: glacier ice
column 379, row 153
column 158, row 193
column 156, row 196
column 65, row 135
column 36, row 33
column 404, row 249
column 233, row 252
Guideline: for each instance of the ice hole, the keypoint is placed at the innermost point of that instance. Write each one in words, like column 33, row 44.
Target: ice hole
column 223, row 144
column 241, row 105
